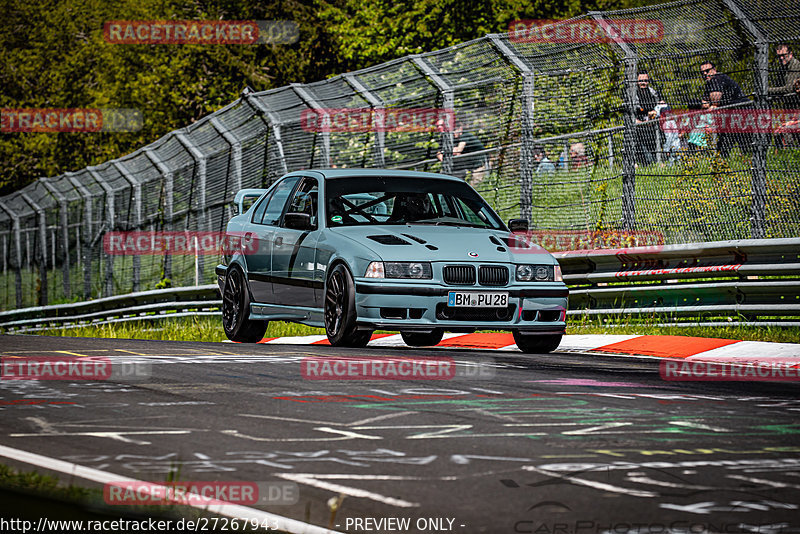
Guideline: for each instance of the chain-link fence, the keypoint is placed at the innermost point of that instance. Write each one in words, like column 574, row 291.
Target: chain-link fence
column 572, row 139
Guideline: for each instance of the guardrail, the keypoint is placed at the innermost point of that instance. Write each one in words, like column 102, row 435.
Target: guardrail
column 157, row 304
column 757, row 280
column 754, row 279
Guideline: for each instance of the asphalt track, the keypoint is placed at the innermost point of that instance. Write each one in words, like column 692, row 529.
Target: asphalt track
column 545, row 444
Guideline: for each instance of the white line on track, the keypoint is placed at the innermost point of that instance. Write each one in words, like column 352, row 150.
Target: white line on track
column 230, row 510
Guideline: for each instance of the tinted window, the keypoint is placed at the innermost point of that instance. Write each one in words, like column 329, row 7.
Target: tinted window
column 406, row 200
column 275, row 204
column 305, row 199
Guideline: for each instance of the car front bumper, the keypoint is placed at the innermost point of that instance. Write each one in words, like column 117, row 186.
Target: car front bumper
column 539, row 308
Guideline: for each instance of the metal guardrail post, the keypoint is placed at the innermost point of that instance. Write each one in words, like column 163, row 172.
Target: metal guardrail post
column 309, row 100
column 63, row 213
column 200, row 167
column 759, row 178
column 272, row 120
column 629, row 134
column 42, row 255
column 108, row 279
column 526, row 150
column 88, row 201
column 236, row 151
column 18, row 253
column 447, row 103
column 168, row 201
column 378, row 109
column 136, row 197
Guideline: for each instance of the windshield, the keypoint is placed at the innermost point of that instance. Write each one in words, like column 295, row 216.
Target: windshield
column 401, row 200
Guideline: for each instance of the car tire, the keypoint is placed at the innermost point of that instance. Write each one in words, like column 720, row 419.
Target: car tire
column 340, row 310
column 422, row 339
column 536, row 344
column 236, row 310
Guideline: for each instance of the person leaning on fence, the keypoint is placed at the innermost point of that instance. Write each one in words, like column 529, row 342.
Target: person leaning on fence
column 471, row 168
column 646, row 115
column 544, row 165
column 790, row 75
column 672, row 138
column 702, row 129
column 577, row 156
column 720, row 90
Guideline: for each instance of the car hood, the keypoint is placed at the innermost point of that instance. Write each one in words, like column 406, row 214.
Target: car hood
column 418, row 242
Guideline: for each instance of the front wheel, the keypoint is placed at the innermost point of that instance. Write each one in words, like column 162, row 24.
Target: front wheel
column 422, row 339
column 340, row 311
column 236, row 310
column 536, row 344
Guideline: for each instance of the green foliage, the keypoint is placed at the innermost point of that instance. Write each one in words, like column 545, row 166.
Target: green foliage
column 54, row 56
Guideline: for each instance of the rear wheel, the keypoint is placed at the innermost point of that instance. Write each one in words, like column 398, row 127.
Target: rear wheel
column 536, row 344
column 236, row 310
column 422, row 339
column 340, row 311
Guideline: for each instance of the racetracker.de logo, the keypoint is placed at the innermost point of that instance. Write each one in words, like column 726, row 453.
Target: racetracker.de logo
column 204, row 32
column 200, row 493
column 69, row 120
column 744, row 121
column 71, row 368
column 737, row 370
column 355, row 368
column 586, row 31
column 585, row 242
column 178, row 243
column 362, row 120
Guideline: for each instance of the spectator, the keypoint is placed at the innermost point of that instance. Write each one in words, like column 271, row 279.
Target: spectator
column 646, row 113
column 577, row 156
column 700, row 134
column 672, row 139
column 464, row 166
column 545, row 166
column 788, row 92
column 721, row 90
column 790, row 73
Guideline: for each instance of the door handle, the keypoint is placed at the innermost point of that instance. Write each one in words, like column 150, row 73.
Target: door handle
column 279, row 241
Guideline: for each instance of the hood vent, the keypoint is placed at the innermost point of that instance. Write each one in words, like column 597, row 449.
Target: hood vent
column 415, row 238
column 388, row 239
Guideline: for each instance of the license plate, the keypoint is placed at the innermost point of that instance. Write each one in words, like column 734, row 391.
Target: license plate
column 469, row 299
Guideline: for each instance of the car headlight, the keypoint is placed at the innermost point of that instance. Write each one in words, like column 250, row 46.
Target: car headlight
column 419, row 270
column 538, row 273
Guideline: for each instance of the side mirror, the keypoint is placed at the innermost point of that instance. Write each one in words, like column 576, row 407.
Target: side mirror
column 245, row 198
column 518, row 225
column 298, row 221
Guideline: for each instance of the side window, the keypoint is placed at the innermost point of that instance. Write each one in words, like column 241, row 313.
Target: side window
column 272, row 214
column 305, row 199
column 258, row 213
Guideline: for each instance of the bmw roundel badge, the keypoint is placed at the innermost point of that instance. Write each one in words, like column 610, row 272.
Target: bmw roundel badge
column 473, row 254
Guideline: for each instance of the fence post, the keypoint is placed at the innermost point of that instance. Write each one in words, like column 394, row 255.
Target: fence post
column 236, row 151
column 63, row 213
column 88, row 200
column 759, row 170
column 379, row 109
column 168, row 201
column 136, row 193
column 200, row 168
column 526, row 150
column 108, row 282
column 630, row 63
column 18, row 253
column 272, row 120
column 447, row 103
column 42, row 252
column 309, row 100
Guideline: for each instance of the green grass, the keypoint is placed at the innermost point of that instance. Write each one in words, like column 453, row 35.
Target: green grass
column 210, row 329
